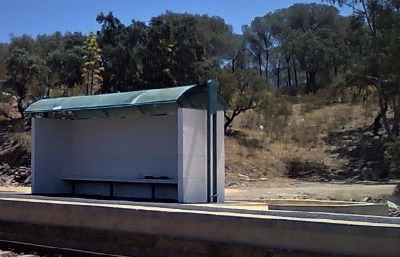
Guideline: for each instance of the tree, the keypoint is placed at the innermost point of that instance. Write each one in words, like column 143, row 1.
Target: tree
column 180, row 46
column 305, row 36
column 123, row 50
column 260, row 41
column 24, row 71
column 244, row 90
column 92, row 64
column 63, row 55
column 4, row 52
column 174, row 50
column 382, row 29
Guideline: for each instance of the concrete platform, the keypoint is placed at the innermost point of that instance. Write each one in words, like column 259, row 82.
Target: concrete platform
column 161, row 229
column 359, row 208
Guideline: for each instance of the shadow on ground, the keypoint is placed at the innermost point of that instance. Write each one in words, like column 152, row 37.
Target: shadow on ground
column 362, row 153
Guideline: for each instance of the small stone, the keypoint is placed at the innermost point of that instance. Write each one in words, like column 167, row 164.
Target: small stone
column 367, row 199
column 3, row 253
column 6, row 166
column 27, row 180
column 263, row 179
column 244, row 177
column 394, row 209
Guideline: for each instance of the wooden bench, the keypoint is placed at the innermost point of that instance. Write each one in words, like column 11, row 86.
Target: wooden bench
column 150, row 181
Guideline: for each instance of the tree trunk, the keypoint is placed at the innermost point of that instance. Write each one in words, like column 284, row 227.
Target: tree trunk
column 278, row 75
column 396, row 108
column 266, row 58
column 289, row 81
column 311, row 87
column 383, row 106
column 87, row 85
column 229, row 119
column 383, row 99
column 296, row 80
column 307, row 89
column 266, row 66
column 396, row 116
column 91, row 87
column 377, row 124
column 21, row 107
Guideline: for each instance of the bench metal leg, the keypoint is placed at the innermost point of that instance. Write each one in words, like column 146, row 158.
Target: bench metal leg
column 111, row 189
column 153, row 191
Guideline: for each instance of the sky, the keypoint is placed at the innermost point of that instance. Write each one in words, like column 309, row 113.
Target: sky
column 37, row 17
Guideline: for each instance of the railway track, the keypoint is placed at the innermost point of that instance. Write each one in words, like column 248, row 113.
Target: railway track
column 29, row 249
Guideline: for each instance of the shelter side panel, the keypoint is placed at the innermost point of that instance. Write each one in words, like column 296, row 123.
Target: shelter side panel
column 221, row 156
column 192, row 157
column 51, row 155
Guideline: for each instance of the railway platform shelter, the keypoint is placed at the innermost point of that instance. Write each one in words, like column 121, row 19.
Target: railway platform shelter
column 158, row 144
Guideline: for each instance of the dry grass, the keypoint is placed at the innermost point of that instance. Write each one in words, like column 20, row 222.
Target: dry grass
column 265, row 144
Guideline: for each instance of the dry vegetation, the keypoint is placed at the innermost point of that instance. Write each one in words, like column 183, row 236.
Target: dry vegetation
column 311, row 138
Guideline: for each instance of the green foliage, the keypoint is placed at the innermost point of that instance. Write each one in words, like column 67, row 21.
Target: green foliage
column 259, row 41
column 244, row 90
column 180, row 44
column 65, row 62
column 25, row 71
column 309, row 39
column 4, row 52
column 123, row 51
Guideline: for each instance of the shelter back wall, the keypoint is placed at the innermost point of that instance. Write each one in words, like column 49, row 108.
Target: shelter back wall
column 125, row 148
column 128, row 148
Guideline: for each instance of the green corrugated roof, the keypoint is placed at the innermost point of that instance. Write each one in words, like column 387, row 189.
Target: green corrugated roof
column 145, row 102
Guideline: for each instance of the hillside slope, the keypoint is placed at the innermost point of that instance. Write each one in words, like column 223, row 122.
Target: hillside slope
column 334, row 142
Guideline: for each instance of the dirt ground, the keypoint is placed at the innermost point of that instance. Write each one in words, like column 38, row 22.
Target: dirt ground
column 294, row 189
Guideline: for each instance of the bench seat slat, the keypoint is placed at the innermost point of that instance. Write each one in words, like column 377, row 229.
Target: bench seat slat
column 138, row 181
